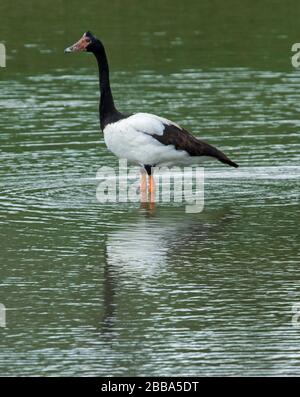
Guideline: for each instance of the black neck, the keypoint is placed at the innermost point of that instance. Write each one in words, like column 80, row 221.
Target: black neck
column 107, row 106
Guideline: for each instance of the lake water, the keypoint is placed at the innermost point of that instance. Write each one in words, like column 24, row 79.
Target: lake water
column 118, row 288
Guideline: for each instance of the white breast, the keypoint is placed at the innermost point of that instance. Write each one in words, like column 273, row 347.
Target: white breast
column 131, row 139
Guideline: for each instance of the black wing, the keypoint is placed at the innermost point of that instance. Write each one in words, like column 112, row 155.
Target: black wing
column 183, row 140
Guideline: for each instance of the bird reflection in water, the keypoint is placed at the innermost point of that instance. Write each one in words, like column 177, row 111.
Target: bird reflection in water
column 140, row 251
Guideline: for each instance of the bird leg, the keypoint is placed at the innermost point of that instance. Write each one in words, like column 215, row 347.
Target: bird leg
column 151, row 187
column 143, row 187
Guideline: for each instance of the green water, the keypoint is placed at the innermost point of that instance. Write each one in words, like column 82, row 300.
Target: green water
column 116, row 289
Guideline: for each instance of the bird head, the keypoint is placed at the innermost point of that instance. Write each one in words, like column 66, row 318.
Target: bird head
column 88, row 42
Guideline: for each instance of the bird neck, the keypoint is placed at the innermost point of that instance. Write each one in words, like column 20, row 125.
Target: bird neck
column 107, row 106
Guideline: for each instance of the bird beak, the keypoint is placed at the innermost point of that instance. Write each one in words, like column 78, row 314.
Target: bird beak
column 69, row 49
column 79, row 46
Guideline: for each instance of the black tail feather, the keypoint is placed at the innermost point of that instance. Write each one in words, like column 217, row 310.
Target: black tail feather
column 214, row 152
column 229, row 162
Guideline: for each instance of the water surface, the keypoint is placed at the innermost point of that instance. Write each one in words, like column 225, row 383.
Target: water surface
column 119, row 289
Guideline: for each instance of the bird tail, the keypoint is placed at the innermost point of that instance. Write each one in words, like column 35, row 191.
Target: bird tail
column 214, row 152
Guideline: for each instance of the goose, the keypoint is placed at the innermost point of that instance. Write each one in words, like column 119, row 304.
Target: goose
column 144, row 139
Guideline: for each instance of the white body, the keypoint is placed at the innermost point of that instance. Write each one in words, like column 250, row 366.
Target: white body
column 131, row 138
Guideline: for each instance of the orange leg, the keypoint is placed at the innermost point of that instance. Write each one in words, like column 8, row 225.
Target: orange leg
column 151, row 188
column 143, row 187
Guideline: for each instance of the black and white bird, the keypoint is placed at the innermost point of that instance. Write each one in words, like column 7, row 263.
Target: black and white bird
column 143, row 138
